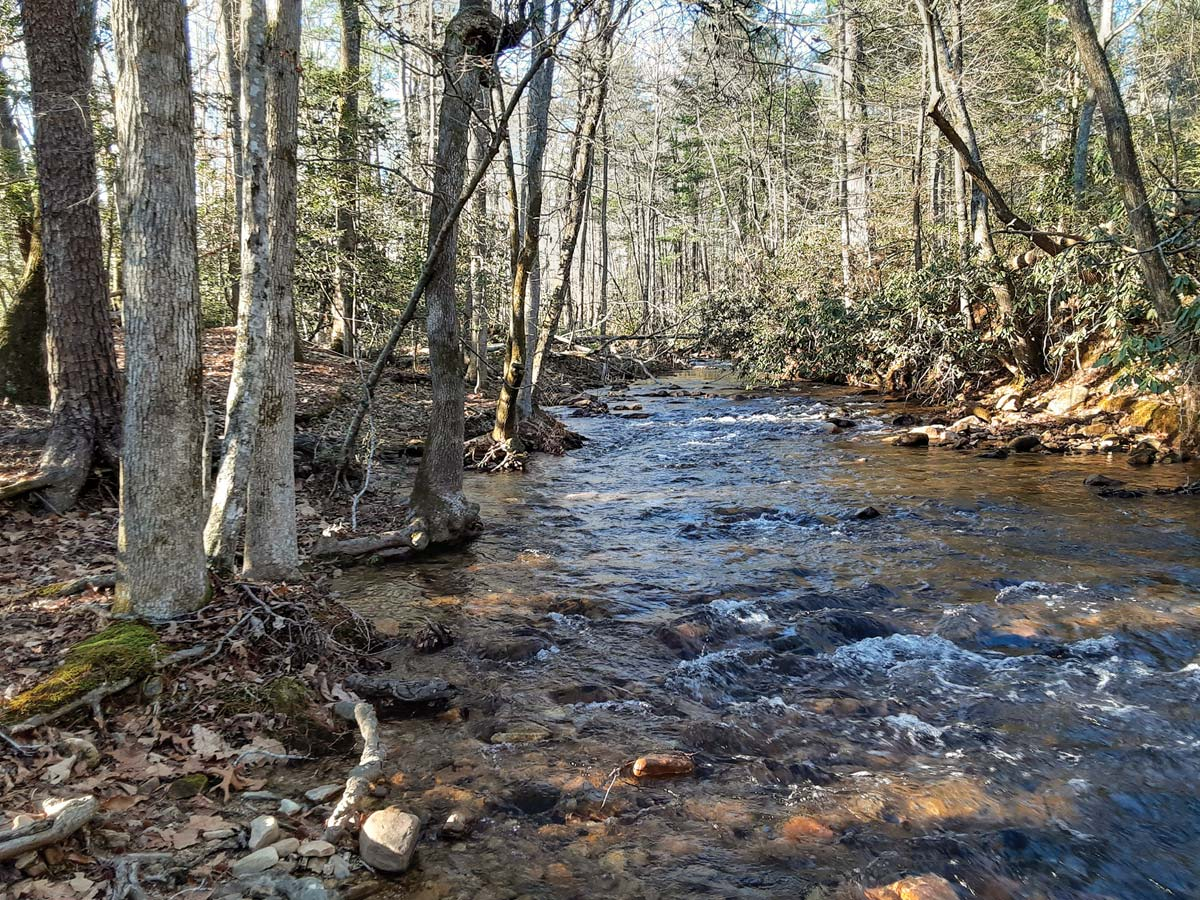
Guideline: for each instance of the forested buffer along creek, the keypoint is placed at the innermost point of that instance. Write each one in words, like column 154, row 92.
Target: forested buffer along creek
column 566, row 448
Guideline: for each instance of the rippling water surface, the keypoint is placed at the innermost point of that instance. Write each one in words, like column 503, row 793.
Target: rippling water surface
column 997, row 680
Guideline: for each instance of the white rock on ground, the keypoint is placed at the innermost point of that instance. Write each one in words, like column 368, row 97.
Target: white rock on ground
column 323, row 793
column 287, row 846
column 388, row 839
column 316, row 848
column 264, row 830
column 258, row 861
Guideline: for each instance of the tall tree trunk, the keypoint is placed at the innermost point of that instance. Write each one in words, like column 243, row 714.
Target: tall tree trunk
column 230, row 12
column 343, row 336
column 1087, row 113
column 854, row 102
column 160, row 564
column 440, row 511
column 582, row 155
column 479, row 275
column 515, row 392
column 271, row 553
column 1155, row 271
column 23, row 375
column 249, row 355
column 81, row 360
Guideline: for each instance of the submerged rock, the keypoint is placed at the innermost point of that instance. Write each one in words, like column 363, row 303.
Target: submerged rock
column 1024, row 443
column 920, row 887
column 804, row 828
column 658, row 765
column 913, row 439
column 867, row 512
column 1102, row 481
column 388, row 839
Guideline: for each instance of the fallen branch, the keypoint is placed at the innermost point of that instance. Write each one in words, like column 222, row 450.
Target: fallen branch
column 369, row 768
column 93, row 697
column 64, row 818
column 414, row 535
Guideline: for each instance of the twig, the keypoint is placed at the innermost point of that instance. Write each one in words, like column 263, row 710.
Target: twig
column 62, row 822
column 369, row 768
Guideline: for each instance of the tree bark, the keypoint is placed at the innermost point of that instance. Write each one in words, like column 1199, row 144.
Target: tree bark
column 343, row 336
column 582, row 156
column 160, row 565
column 511, row 404
column 230, row 12
column 271, row 552
column 854, row 105
column 437, row 500
column 23, row 375
column 477, row 369
column 80, row 356
column 1155, row 271
column 248, row 377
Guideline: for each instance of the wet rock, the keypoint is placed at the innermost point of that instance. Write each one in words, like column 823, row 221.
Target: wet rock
column 324, row 792
column 804, row 828
column 458, row 825
column 842, row 423
column 1142, row 455
column 532, row 798
column 866, row 513
column 517, row 648
column 1102, row 481
column 913, row 439
column 264, row 830
column 393, row 697
column 1024, row 443
column 660, row 765
column 388, row 840
column 521, row 733
column 904, row 420
column 258, row 861
column 1120, row 493
column 686, row 639
column 994, row 453
column 318, row 849
column 920, row 887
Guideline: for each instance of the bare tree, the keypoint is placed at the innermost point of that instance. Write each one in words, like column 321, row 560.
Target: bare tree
column 161, row 567
column 84, row 386
column 249, row 358
column 1153, row 263
column 271, row 552
column 342, row 335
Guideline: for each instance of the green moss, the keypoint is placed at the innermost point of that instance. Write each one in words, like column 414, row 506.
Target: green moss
column 124, row 650
column 285, row 696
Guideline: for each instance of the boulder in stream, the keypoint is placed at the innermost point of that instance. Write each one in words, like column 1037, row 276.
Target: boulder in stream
column 388, row 839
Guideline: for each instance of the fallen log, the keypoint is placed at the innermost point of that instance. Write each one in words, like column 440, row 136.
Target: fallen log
column 406, row 698
column 63, row 819
column 414, row 536
column 369, row 768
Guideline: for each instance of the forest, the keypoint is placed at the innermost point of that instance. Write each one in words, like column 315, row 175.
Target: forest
column 526, row 448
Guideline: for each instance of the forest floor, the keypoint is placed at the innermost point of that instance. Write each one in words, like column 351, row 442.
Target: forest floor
column 256, row 675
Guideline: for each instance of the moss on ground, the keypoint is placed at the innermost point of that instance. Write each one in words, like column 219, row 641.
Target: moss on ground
column 123, row 650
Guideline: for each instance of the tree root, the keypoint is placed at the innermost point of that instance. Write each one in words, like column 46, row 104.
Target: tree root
column 64, row 818
column 369, row 768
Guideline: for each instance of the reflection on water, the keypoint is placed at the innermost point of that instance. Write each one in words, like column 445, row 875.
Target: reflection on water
column 997, row 680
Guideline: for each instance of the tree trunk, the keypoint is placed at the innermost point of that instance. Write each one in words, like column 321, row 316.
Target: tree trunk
column 160, row 564
column 477, row 369
column 343, row 336
column 512, row 405
column 582, row 155
column 84, row 385
column 23, row 375
column 271, row 553
column 1087, row 112
column 249, row 356
column 854, row 103
column 1155, row 271
column 439, row 508
column 230, row 11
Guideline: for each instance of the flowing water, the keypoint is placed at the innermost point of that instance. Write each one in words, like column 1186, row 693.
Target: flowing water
column 996, row 680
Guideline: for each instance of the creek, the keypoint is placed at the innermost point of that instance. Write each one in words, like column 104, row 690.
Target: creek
column 996, row 680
